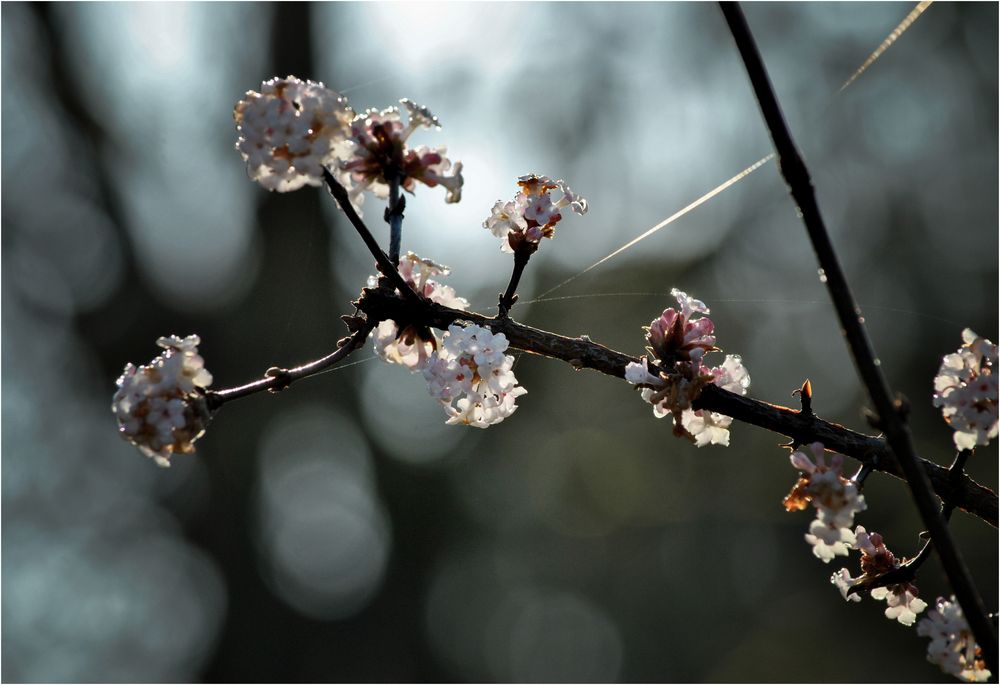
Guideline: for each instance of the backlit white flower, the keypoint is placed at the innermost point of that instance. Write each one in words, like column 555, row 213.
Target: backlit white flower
column 289, row 130
column 966, row 390
column 472, row 377
column 953, row 647
column 533, row 213
column 161, row 406
column 835, row 498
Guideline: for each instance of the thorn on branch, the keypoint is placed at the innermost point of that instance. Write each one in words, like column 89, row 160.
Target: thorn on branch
column 805, row 394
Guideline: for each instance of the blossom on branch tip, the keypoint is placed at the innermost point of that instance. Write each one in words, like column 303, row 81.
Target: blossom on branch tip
column 290, row 130
column 413, row 345
column 966, row 390
column 378, row 152
column 532, row 214
column 953, row 647
column 472, row 377
column 161, row 406
column 876, row 562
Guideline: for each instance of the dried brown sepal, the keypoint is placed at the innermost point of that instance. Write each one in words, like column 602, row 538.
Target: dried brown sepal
column 797, row 499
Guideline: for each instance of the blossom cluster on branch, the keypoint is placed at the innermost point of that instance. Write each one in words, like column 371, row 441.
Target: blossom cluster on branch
column 160, row 406
column 292, row 129
column 295, row 133
column 678, row 342
column 966, row 390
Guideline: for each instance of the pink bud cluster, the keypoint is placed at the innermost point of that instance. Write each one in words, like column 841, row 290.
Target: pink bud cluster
column 876, row 562
column 532, row 215
column 679, row 341
column 413, row 345
column 835, row 498
column 472, row 377
column 161, row 406
column 966, row 390
column 953, row 647
column 292, row 129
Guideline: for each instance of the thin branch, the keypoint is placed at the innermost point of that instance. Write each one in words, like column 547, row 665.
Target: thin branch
column 276, row 379
column 394, row 215
column 581, row 353
column 509, row 297
column 849, row 314
column 385, row 265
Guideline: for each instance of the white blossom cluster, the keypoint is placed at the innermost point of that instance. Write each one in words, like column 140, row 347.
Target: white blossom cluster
column 681, row 341
column 532, row 214
column 160, row 406
column 966, row 390
column 412, row 347
column 952, row 646
column 876, row 561
column 292, row 129
column 472, row 377
column 835, row 498
column 289, row 130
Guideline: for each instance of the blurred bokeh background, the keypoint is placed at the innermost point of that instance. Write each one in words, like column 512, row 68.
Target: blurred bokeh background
column 340, row 531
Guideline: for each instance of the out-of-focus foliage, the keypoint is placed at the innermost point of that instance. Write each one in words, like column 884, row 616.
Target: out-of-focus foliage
column 340, row 531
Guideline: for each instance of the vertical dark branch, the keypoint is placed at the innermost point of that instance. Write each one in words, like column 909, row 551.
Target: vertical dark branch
column 889, row 412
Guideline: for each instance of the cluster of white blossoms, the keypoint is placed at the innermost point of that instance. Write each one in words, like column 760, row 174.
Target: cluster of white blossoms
column 472, row 377
column 160, row 406
column 413, row 346
column 532, row 214
column 289, row 130
column 835, row 498
column 953, row 647
column 679, row 342
column 876, row 562
column 966, row 390
column 292, row 129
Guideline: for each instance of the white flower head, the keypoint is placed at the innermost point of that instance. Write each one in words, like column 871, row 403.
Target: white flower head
column 953, row 647
column 533, row 213
column 160, row 407
column 472, row 377
column 289, row 130
column 966, row 390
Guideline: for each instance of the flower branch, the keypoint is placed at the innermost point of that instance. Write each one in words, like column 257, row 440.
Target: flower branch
column 897, row 432
column 582, row 353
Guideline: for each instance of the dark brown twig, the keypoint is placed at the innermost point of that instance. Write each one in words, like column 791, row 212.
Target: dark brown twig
column 276, row 379
column 849, row 314
column 385, row 265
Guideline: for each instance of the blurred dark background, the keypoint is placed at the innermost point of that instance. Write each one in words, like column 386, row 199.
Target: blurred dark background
column 340, row 531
